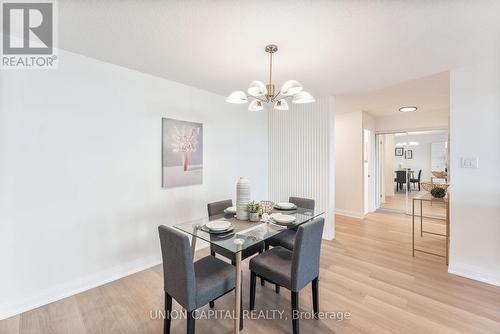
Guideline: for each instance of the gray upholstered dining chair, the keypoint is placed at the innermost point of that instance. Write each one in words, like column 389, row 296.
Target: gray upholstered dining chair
column 217, row 208
column 192, row 285
column 292, row 269
column 287, row 237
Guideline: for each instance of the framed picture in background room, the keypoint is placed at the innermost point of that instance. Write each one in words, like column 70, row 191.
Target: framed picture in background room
column 409, row 154
column 399, row 151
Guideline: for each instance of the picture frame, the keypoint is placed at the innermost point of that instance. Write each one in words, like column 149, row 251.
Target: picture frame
column 182, row 153
column 409, row 154
column 399, row 151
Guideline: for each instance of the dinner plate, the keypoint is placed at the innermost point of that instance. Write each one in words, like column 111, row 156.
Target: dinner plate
column 231, row 209
column 218, row 225
column 284, row 219
column 285, row 206
column 206, row 229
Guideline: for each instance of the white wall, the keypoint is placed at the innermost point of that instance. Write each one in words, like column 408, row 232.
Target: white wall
column 302, row 156
column 475, row 193
column 80, row 173
column 349, row 164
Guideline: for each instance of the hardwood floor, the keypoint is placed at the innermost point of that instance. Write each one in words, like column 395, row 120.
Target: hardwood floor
column 367, row 271
column 398, row 203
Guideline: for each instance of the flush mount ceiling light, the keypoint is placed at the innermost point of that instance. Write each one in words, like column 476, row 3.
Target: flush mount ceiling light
column 408, row 109
column 259, row 93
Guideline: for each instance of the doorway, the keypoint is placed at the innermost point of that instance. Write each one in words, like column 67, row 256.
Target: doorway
column 405, row 161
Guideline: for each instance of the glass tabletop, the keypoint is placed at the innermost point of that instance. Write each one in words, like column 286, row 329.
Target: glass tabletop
column 249, row 233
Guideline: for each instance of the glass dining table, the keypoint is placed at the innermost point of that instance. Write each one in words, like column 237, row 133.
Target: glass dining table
column 244, row 234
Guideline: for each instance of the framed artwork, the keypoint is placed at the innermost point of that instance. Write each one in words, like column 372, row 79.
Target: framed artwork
column 182, row 153
column 399, row 151
column 409, row 154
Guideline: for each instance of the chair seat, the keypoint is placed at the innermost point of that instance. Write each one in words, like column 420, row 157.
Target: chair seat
column 214, row 278
column 274, row 265
column 284, row 239
column 247, row 252
column 414, row 180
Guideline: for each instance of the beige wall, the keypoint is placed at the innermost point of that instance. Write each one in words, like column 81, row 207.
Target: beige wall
column 475, row 193
column 349, row 164
column 413, row 121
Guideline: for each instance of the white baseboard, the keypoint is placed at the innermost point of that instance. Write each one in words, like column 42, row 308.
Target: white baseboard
column 473, row 273
column 47, row 296
column 351, row 214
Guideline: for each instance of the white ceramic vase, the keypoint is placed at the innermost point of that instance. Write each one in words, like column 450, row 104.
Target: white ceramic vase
column 242, row 198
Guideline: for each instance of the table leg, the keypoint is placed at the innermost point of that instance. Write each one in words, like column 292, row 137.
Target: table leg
column 193, row 241
column 413, row 227
column 421, row 221
column 237, row 288
column 447, row 232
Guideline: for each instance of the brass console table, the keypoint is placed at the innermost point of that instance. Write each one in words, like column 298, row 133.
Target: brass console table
column 429, row 198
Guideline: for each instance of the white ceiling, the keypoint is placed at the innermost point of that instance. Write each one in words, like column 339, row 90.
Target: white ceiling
column 332, row 47
column 429, row 94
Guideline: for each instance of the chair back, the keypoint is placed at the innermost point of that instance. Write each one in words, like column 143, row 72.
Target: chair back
column 306, row 253
column 305, row 203
column 401, row 176
column 178, row 268
column 419, row 175
column 217, row 208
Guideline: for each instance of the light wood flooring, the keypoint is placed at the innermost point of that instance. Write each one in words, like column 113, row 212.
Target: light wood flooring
column 367, row 271
column 398, row 203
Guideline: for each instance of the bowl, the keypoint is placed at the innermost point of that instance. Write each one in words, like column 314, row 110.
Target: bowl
column 430, row 185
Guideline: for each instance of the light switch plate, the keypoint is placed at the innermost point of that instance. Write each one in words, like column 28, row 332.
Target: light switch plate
column 470, row 162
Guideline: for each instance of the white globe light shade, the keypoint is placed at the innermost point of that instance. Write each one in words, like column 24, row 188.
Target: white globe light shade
column 291, row 87
column 281, row 105
column 238, row 97
column 257, row 88
column 303, row 97
column 255, row 105
column 408, row 109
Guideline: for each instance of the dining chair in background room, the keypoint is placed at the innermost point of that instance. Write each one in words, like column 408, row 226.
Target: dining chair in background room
column 292, row 269
column 400, row 179
column 216, row 209
column 417, row 180
column 191, row 284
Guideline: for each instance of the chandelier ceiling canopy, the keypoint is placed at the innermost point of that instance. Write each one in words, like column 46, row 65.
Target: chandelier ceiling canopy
column 260, row 94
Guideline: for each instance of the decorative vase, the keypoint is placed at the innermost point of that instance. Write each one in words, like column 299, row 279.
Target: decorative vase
column 242, row 198
column 254, row 216
column 184, row 159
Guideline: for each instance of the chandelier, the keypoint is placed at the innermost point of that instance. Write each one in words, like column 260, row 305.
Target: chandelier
column 259, row 94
